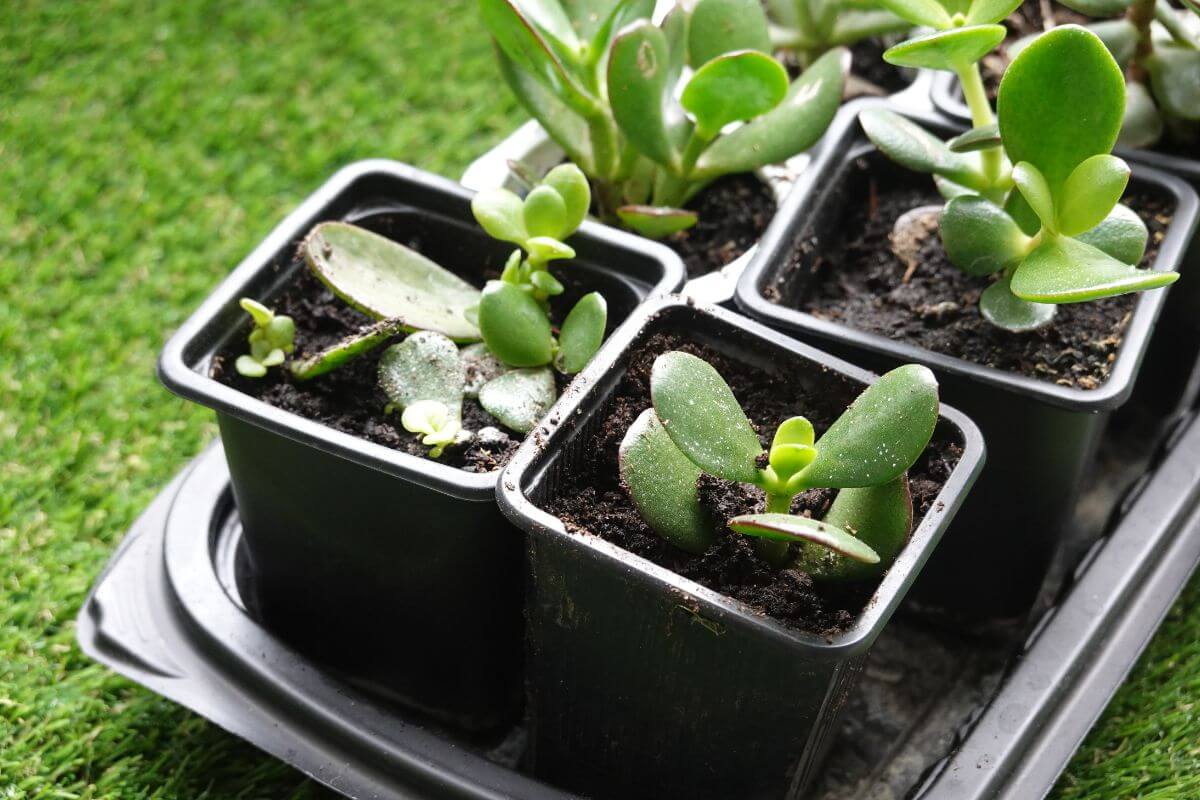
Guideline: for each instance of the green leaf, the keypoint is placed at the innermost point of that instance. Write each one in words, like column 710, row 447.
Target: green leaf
column 792, row 447
column 789, row 528
column 1065, row 270
column 911, row 146
column 794, row 430
column 852, row 25
column 621, row 14
column 386, row 280
column 986, row 12
column 949, row 189
column 983, row 138
column 480, row 365
column 880, row 435
column 519, row 398
column 790, row 128
column 582, row 333
column 346, row 350
column 1119, row 36
column 261, row 315
column 565, row 126
column 425, row 366
column 1175, row 76
column 980, row 239
column 1033, row 187
column 514, row 326
column 435, row 421
column 732, row 87
column 1121, row 235
column 550, row 17
column 1143, row 124
column 281, row 332
column 545, row 282
column 545, row 213
column 639, row 90
column 662, row 485
column 1022, row 214
column 502, row 214
column 1097, row 8
column 1002, row 308
column 1091, row 192
column 924, row 13
column 721, row 26
column 249, row 367
column 572, row 186
column 952, row 49
column 1061, row 101
column 699, row 411
column 878, row 516
column 543, row 248
column 655, row 222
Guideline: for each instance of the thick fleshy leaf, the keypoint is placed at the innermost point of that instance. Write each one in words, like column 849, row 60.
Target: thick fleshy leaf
column 880, row 435
column 1119, row 36
column 551, row 17
column 250, row 367
column 662, row 485
column 853, row 25
column 947, row 50
column 566, row 126
column 599, row 20
column 1033, row 187
column 736, row 86
column 804, row 530
column 386, row 280
column 514, row 326
column 425, row 366
column 949, row 189
column 911, row 146
column 545, row 282
column 346, row 350
column 792, row 447
column 545, row 248
column 790, row 128
column 1065, row 270
column 1122, row 235
column 979, row 237
column 699, row 411
column 925, row 13
column 1143, row 124
column 572, row 186
column 638, row 90
column 502, row 214
column 582, row 333
column 519, row 398
column 976, row 139
column 656, row 222
column 1097, row 8
column 545, row 213
column 878, row 516
column 987, row 12
column 261, row 315
column 1022, row 213
column 1003, row 309
column 1175, row 75
column 1061, row 101
column 721, row 26
column 480, row 365
column 1090, row 193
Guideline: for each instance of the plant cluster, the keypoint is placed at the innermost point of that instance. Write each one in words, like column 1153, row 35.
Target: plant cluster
column 810, row 28
column 496, row 346
column 648, row 110
column 697, row 426
column 1033, row 194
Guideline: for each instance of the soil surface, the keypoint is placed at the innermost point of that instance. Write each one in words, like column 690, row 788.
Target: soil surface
column 857, row 280
column 591, row 499
column 734, row 212
column 349, row 399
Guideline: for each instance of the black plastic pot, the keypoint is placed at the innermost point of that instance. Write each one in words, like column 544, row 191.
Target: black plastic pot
column 1041, row 436
column 644, row 684
column 397, row 568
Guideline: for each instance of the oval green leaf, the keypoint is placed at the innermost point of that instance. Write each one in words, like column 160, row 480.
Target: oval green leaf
column 1065, row 270
column 1036, row 191
column 656, row 222
column 425, row 366
column 979, row 237
column 732, row 87
column 639, row 89
column 582, row 333
column 987, row 12
column 572, row 186
column 1122, row 235
column 519, row 398
column 983, row 138
column 1092, row 190
column 1175, row 76
column 879, row 516
column 545, row 213
column 911, row 146
column 502, row 214
column 951, row 50
column 925, row 13
column 1002, row 308
column 1143, row 124
column 788, row 528
column 717, row 27
column 514, row 326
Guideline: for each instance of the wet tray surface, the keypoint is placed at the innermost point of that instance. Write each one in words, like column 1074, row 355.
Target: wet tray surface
column 941, row 714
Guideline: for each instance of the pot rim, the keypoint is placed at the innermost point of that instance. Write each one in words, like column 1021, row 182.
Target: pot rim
column 529, row 463
column 196, row 336
column 776, row 244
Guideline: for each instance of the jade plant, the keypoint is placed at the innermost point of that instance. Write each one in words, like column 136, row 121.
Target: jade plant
column 1034, row 198
column 696, row 426
column 648, row 110
column 810, row 28
column 271, row 339
column 496, row 346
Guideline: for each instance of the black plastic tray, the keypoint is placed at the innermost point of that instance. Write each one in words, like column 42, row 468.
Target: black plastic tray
column 941, row 714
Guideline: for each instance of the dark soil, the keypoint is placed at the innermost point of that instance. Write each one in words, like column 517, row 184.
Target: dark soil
column 858, row 281
column 592, row 500
column 349, row 398
column 734, row 211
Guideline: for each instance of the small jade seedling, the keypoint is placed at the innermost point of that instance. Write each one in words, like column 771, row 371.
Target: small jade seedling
column 1049, row 223
column 614, row 90
column 271, row 340
column 810, row 28
column 696, row 426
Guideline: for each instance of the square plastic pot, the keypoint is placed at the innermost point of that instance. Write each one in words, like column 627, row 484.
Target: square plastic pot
column 398, row 570
column 1041, row 436
column 644, row 684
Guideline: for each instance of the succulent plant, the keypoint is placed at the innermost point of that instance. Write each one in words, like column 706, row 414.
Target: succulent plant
column 696, row 426
column 810, row 28
column 271, row 340
column 612, row 89
column 1035, row 197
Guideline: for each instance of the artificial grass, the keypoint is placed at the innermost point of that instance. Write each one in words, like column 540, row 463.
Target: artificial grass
column 144, row 149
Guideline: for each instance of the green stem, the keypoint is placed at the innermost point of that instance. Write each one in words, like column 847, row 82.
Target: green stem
column 981, row 114
column 1140, row 14
column 770, row 550
column 604, row 150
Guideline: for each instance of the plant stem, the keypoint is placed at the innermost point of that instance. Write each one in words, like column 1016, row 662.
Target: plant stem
column 768, row 549
column 981, row 114
column 603, row 146
column 1140, row 14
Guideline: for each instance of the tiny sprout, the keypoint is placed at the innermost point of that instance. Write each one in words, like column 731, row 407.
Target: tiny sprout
column 271, row 340
column 434, row 420
column 697, row 426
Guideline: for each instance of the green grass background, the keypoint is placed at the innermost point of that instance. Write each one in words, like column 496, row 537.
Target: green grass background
column 145, row 147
